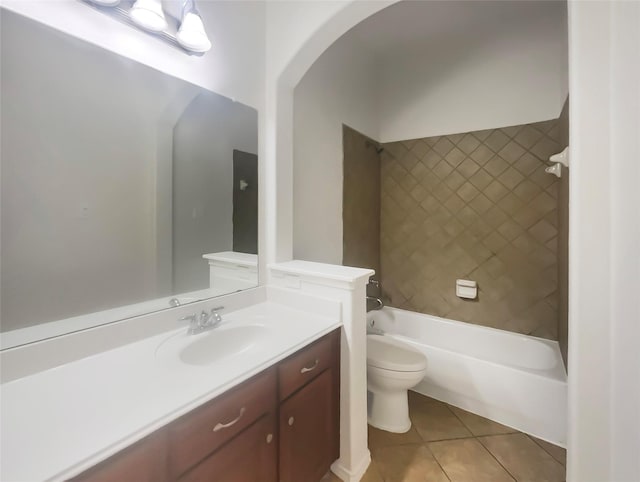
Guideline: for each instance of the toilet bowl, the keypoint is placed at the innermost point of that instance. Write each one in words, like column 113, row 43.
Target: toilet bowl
column 393, row 368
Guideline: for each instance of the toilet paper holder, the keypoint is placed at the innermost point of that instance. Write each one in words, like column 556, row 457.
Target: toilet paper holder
column 466, row 289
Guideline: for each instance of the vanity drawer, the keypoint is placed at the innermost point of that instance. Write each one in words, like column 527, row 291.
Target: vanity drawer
column 252, row 456
column 202, row 431
column 304, row 366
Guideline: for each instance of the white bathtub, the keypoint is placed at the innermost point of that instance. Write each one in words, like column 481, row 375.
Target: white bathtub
column 517, row 380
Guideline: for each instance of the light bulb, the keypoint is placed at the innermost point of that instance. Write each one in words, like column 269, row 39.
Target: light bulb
column 148, row 14
column 191, row 34
column 106, row 3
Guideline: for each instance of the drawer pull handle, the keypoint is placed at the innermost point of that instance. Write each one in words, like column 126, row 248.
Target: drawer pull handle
column 310, row 369
column 220, row 426
column 269, row 438
column 291, row 420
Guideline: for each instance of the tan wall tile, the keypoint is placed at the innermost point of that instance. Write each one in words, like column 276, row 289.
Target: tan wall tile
column 478, row 205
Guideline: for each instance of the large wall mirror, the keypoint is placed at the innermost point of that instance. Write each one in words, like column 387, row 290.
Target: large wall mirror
column 124, row 190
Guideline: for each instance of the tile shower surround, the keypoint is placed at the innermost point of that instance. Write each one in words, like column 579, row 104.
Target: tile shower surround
column 478, row 206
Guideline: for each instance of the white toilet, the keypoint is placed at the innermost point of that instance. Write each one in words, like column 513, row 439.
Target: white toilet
column 393, row 368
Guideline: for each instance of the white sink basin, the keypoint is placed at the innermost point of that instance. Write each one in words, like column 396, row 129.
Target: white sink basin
column 215, row 345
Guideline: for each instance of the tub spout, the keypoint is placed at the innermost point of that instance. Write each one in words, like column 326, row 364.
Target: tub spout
column 379, row 303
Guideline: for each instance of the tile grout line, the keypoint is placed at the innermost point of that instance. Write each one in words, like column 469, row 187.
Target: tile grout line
column 437, row 462
column 475, row 437
column 422, row 443
column 375, row 465
column 494, row 457
column 448, row 439
column 451, row 438
column 427, row 443
column 492, row 421
column 461, row 421
column 546, row 451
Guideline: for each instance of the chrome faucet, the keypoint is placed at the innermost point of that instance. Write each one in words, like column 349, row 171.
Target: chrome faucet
column 374, row 299
column 379, row 303
column 204, row 321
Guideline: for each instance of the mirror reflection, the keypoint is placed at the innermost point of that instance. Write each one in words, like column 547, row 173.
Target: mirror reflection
column 124, row 190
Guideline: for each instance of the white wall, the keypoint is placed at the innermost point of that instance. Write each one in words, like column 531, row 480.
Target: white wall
column 296, row 36
column 297, row 33
column 604, row 236
column 234, row 67
column 508, row 74
column 338, row 89
column 625, row 136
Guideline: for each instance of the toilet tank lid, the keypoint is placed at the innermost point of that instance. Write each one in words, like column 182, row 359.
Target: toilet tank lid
column 389, row 354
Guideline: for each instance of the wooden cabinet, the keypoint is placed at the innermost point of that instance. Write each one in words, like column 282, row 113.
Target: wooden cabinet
column 249, row 457
column 307, row 432
column 309, row 411
column 281, row 425
column 199, row 433
column 303, row 366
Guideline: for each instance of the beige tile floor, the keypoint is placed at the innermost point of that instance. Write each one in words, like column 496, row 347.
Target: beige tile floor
column 446, row 443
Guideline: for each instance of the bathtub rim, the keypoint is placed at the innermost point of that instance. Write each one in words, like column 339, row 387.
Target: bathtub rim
column 558, row 372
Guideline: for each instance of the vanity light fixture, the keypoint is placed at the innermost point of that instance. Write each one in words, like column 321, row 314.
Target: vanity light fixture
column 191, row 34
column 183, row 29
column 148, row 14
column 106, row 3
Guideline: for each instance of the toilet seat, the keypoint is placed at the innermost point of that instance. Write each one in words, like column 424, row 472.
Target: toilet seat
column 388, row 354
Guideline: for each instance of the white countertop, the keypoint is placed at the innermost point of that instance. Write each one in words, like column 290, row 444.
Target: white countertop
column 57, row 423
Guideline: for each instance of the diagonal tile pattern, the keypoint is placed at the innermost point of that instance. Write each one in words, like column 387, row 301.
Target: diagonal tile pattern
column 409, row 463
column 478, row 206
column 468, row 461
column 523, row 458
column 493, row 453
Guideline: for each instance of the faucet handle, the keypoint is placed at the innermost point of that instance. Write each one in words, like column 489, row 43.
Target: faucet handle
column 216, row 315
column 190, row 318
column 194, row 324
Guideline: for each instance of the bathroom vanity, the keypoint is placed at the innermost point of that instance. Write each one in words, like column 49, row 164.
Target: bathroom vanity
column 260, row 402
column 282, row 424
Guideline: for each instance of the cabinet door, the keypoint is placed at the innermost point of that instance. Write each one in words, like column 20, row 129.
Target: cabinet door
column 249, row 457
column 308, row 431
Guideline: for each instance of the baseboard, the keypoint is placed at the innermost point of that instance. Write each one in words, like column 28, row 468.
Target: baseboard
column 355, row 474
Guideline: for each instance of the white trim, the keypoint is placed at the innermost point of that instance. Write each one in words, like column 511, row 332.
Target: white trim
column 291, row 274
column 354, row 475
